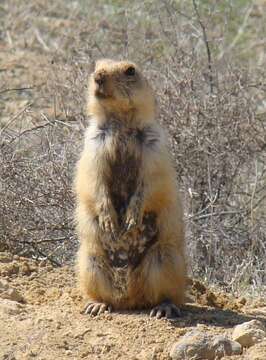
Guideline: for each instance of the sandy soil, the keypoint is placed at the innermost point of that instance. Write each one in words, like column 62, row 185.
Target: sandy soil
column 48, row 323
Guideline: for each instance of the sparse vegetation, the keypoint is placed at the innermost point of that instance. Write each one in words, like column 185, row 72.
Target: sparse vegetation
column 205, row 61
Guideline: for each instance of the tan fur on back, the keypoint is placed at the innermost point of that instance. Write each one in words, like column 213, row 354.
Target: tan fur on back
column 125, row 176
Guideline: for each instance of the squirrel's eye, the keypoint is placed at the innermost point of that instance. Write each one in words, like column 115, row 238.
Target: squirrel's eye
column 130, row 71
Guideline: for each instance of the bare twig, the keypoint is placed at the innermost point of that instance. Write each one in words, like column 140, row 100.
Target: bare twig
column 221, row 213
column 17, row 89
column 240, row 32
column 14, row 118
column 206, row 42
column 40, row 40
column 254, row 193
column 35, row 128
column 61, row 238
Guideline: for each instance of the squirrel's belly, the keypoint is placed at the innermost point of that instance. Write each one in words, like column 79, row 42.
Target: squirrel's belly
column 125, row 254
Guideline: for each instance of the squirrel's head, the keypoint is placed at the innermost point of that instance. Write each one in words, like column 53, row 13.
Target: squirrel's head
column 119, row 88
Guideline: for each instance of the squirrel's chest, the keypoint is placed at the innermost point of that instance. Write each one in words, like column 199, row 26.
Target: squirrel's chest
column 124, row 172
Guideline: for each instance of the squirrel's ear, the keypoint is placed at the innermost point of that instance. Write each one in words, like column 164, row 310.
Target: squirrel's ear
column 96, row 63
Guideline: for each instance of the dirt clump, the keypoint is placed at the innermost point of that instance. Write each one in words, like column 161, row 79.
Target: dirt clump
column 218, row 298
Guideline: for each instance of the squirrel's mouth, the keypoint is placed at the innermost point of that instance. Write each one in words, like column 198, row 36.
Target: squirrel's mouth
column 100, row 92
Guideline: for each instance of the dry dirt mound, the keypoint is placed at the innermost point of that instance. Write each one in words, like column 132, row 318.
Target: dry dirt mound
column 47, row 322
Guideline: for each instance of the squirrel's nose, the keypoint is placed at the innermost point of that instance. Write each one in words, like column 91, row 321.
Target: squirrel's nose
column 99, row 79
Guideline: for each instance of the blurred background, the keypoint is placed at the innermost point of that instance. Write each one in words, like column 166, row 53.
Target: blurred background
column 206, row 62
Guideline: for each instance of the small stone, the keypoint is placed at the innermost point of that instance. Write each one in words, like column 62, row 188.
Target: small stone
column 142, row 355
column 223, row 346
column 242, row 301
column 3, row 285
column 193, row 345
column 11, row 307
column 197, row 345
column 249, row 333
column 108, row 317
column 58, row 325
column 7, row 292
column 30, row 354
column 38, row 320
column 86, row 354
column 157, row 349
column 25, row 268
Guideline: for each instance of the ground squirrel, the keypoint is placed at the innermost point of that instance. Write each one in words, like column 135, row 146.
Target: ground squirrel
column 129, row 215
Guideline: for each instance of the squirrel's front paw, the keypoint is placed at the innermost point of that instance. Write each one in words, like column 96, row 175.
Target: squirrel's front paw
column 133, row 219
column 108, row 222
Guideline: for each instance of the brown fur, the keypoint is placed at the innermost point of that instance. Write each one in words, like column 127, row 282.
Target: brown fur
column 129, row 215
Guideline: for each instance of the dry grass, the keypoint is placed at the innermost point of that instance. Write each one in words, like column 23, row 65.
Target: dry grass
column 205, row 64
